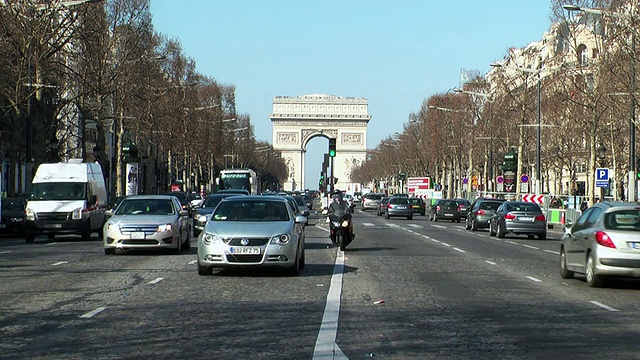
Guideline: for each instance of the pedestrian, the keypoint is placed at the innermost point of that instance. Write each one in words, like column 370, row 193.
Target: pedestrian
column 584, row 205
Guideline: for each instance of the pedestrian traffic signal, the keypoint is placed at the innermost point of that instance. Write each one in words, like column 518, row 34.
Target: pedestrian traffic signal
column 332, row 147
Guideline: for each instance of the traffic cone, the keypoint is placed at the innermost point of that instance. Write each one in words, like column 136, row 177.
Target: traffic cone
column 562, row 217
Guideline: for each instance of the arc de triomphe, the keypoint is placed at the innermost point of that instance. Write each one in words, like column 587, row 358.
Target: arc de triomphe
column 297, row 120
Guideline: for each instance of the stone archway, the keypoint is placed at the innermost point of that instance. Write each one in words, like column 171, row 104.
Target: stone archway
column 296, row 120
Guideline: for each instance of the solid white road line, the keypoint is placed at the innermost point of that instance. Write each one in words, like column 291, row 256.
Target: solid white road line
column 59, row 263
column 553, row 252
column 156, row 280
column 439, row 226
column 326, row 347
column 5, row 252
column 460, row 250
column 91, row 314
column 606, row 307
column 533, row 279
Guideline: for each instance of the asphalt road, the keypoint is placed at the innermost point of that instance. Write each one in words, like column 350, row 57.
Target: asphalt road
column 407, row 290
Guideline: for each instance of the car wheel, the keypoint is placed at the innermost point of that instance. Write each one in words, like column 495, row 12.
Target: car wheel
column 109, row 251
column 542, row 236
column 204, row 270
column 467, row 226
column 410, row 217
column 178, row 246
column 187, row 244
column 474, row 225
column 295, row 269
column 303, row 260
column 565, row 273
column 593, row 280
column 29, row 238
column 530, row 236
column 86, row 232
column 500, row 231
column 422, row 213
column 386, row 216
column 491, row 232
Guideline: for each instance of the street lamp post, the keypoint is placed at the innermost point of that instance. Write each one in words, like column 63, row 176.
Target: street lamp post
column 632, row 177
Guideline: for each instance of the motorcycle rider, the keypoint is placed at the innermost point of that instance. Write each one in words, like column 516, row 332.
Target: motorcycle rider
column 339, row 207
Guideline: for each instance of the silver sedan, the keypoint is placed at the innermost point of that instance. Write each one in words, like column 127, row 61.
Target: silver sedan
column 147, row 222
column 252, row 231
column 604, row 242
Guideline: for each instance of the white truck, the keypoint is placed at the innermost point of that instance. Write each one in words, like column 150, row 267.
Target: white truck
column 66, row 198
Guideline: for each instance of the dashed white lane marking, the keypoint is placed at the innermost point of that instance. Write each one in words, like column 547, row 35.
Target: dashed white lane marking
column 490, row 262
column 439, row 226
column 511, row 242
column 156, row 280
column 192, row 262
column 481, row 235
column 51, row 243
column 553, row 252
column 533, row 279
column 5, row 252
column 531, row 247
column 460, row 227
column 445, row 244
column 415, row 226
column 460, row 250
column 368, row 224
column 91, row 314
column 326, row 346
column 606, row 307
column 59, row 263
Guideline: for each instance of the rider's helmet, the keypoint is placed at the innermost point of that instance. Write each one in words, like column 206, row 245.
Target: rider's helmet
column 337, row 196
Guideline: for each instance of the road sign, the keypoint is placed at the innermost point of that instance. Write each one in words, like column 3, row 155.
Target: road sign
column 500, row 179
column 524, row 178
column 538, row 199
column 474, row 180
column 418, row 183
column 465, row 181
column 602, row 177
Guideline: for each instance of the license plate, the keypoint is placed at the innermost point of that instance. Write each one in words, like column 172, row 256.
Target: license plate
column 137, row 235
column 448, row 214
column 525, row 218
column 53, row 226
column 242, row 250
column 401, row 207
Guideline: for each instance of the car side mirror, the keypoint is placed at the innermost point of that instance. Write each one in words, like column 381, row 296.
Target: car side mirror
column 108, row 213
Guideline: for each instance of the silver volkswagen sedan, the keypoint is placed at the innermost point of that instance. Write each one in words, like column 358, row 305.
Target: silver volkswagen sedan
column 252, row 231
column 147, row 222
column 604, row 242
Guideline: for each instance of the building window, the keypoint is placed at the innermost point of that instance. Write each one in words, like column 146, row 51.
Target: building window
column 583, row 55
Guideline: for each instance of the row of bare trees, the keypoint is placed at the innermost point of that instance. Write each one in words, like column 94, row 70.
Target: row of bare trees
column 82, row 79
column 585, row 69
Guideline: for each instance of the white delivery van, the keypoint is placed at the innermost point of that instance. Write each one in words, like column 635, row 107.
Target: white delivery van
column 66, row 198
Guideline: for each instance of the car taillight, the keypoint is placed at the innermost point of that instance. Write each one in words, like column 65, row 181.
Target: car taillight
column 388, row 206
column 540, row 217
column 438, row 208
column 509, row 216
column 459, row 208
column 603, row 239
column 480, row 212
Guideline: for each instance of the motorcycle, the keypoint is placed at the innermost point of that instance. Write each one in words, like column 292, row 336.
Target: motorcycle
column 341, row 228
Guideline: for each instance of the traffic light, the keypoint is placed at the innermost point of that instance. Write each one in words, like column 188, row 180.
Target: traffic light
column 332, row 147
column 638, row 168
column 321, row 181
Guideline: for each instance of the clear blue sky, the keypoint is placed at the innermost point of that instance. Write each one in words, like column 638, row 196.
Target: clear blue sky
column 393, row 53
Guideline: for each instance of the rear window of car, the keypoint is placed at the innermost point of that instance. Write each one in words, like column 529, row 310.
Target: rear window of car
column 372, row 197
column 524, row 207
column 399, row 201
column 628, row 220
column 490, row 205
column 417, row 201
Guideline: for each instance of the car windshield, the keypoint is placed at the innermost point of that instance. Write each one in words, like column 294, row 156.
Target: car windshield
column 251, row 211
column 299, row 201
column 58, row 191
column 627, row 220
column 212, row 201
column 145, row 207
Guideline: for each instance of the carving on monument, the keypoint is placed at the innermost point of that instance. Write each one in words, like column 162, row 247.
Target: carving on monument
column 352, row 139
column 307, row 134
column 287, row 138
column 350, row 164
column 292, row 168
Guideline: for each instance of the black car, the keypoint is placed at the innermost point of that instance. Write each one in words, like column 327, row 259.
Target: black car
column 465, row 206
column 184, row 198
column 418, row 205
column 481, row 212
column 445, row 209
column 206, row 208
column 12, row 216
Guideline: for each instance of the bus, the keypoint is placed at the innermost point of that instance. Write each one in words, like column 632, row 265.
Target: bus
column 238, row 179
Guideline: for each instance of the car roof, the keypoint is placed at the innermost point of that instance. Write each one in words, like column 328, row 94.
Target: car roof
column 148, row 197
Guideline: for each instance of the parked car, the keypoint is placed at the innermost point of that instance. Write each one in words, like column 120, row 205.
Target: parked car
column 371, row 201
column 202, row 213
column 147, row 222
column 481, row 212
column 465, row 206
column 445, row 209
column 518, row 217
column 603, row 243
column 399, row 206
column 252, row 231
column 382, row 205
column 12, row 216
column 418, row 206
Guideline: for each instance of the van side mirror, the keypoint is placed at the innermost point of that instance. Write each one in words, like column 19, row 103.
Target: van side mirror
column 93, row 199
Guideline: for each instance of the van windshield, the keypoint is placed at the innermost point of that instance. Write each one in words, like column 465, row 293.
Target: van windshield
column 58, row 191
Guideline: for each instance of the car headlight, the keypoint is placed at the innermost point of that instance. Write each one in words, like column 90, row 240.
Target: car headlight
column 164, row 228
column 110, row 226
column 209, row 239
column 345, row 223
column 282, row 239
column 76, row 214
column 30, row 215
column 201, row 218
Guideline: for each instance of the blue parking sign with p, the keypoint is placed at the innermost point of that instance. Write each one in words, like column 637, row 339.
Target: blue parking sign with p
column 602, row 177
